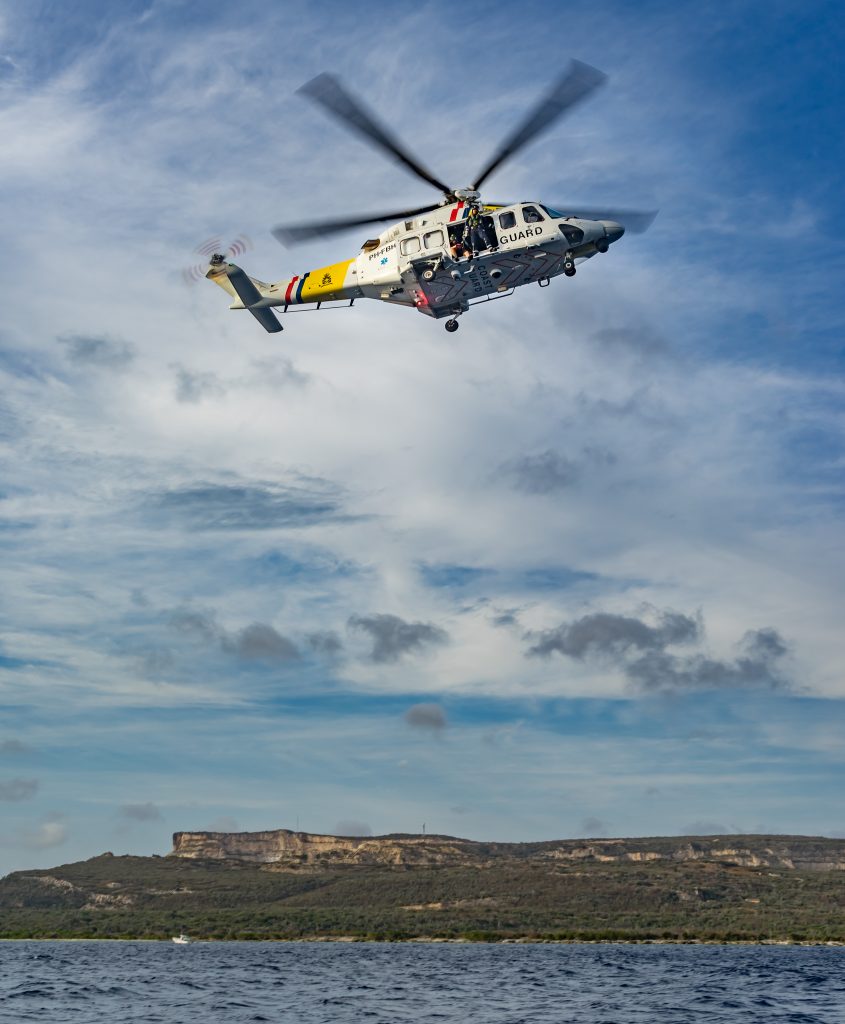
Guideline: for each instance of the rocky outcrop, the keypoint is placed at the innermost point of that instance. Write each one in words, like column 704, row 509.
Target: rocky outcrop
column 305, row 848
column 283, row 849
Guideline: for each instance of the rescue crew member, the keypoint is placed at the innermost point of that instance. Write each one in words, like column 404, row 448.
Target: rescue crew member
column 458, row 248
column 474, row 233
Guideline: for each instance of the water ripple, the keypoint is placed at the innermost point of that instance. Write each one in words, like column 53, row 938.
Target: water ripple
column 423, row 983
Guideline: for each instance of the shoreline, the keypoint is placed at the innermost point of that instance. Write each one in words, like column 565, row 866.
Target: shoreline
column 427, row 940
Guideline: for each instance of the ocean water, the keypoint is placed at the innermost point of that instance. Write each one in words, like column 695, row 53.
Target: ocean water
column 339, row 983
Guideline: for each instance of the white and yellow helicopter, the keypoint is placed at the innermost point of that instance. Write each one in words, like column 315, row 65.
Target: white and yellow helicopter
column 426, row 261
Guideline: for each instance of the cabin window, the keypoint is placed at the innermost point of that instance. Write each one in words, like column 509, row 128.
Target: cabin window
column 531, row 214
column 433, row 240
column 507, row 220
column 409, row 245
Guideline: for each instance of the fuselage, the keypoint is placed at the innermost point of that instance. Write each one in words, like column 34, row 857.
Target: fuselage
column 413, row 263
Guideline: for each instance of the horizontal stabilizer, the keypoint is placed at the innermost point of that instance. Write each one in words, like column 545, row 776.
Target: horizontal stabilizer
column 249, row 296
column 267, row 319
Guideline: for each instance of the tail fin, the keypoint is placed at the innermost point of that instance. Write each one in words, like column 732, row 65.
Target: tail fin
column 242, row 287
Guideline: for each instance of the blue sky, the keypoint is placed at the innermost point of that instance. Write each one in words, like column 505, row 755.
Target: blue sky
column 574, row 570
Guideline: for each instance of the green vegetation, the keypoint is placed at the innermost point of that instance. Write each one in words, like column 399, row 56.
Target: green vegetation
column 141, row 897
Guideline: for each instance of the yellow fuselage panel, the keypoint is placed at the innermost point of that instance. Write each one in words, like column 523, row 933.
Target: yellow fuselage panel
column 332, row 282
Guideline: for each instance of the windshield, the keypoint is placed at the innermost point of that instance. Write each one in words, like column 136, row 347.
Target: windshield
column 554, row 213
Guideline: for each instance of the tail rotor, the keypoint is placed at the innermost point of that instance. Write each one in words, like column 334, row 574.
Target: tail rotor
column 210, row 250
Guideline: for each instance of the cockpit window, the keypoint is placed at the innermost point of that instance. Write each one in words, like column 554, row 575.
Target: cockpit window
column 573, row 235
column 531, row 214
column 370, row 244
column 554, row 214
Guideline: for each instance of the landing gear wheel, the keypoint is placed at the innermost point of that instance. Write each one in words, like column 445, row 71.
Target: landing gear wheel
column 428, row 275
column 452, row 326
column 569, row 269
column 602, row 245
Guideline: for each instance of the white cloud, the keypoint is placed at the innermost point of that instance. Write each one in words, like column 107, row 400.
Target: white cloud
column 46, row 835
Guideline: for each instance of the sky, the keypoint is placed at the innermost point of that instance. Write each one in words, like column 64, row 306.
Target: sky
column 576, row 570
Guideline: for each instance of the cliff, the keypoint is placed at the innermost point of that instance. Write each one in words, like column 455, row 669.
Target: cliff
column 284, row 849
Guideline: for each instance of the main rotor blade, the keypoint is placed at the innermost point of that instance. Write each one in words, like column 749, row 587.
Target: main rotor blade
column 576, row 84
column 302, row 232
column 634, row 221
column 326, row 90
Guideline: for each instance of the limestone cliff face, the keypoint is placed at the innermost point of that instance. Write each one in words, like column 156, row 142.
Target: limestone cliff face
column 284, row 849
column 785, row 852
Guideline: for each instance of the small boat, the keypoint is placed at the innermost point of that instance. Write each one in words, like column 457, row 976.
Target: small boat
column 181, row 940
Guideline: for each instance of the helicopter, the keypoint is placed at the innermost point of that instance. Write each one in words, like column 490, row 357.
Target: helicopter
column 424, row 261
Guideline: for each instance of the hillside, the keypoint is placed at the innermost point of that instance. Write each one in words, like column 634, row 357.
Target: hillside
column 218, row 886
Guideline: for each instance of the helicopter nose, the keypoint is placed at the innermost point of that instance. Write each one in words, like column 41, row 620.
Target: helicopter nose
column 613, row 230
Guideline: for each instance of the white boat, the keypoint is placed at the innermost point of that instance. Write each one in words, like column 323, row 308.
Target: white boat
column 181, row 940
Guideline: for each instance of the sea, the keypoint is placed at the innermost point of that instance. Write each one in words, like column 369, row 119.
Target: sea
column 386, row 983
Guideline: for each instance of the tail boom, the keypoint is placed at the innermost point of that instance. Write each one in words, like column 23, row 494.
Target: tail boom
column 337, row 281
